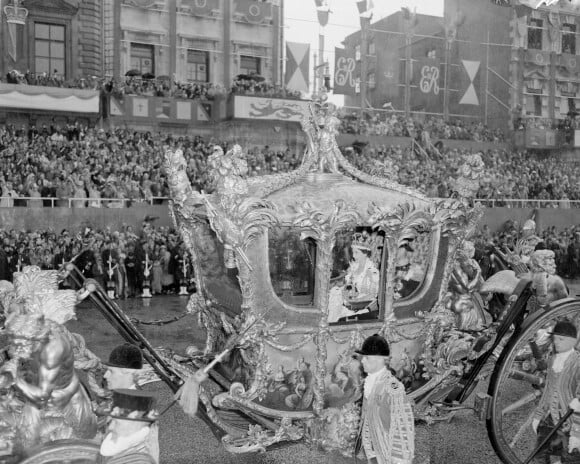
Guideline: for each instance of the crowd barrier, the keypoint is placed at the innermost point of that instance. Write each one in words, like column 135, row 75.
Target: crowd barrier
column 58, row 218
column 51, row 202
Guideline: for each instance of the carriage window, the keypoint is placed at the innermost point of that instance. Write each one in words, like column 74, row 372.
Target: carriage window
column 355, row 276
column 220, row 270
column 292, row 264
column 412, row 261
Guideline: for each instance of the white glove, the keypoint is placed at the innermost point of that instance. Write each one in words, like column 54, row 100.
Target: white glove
column 535, row 423
column 573, row 443
column 575, row 405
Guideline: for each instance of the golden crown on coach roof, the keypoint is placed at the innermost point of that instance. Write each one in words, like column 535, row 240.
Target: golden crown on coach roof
column 361, row 241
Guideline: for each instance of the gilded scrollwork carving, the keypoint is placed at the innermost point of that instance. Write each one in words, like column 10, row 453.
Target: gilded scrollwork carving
column 259, row 439
column 41, row 394
column 322, row 226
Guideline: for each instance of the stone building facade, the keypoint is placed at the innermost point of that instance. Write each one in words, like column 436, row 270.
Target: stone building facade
column 58, row 35
column 194, row 40
column 189, row 40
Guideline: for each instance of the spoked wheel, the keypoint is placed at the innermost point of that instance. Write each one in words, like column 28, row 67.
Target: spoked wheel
column 72, row 451
column 518, row 381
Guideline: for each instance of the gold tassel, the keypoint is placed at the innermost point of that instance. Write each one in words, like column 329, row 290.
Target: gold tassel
column 188, row 395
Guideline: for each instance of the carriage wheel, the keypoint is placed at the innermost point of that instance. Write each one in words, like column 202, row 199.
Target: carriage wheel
column 518, row 381
column 71, row 451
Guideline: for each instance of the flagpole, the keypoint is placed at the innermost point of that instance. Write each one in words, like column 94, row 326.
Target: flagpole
column 448, row 42
column 486, row 75
column 408, row 40
column 315, row 83
column 321, row 55
column 364, row 22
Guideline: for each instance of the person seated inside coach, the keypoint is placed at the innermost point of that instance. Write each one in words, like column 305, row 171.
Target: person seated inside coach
column 356, row 292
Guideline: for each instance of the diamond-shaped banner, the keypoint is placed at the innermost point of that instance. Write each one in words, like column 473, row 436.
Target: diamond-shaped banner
column 470, row 95
column 297, row 66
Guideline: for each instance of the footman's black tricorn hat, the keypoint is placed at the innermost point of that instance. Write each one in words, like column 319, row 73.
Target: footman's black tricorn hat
column 126, row 356
column 565, row 329
column 375, row 345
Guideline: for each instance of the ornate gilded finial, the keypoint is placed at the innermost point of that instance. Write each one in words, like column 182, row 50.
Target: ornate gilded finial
column 321, row 126
column 321, row 108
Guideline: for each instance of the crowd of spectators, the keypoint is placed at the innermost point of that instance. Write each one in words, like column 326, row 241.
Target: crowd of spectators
column 396, row 124
column 251, row 86
column 121, row 256
column 121, row 167
column 149, row 85
column 565, row 243
column 111, row 169
column 517, row 175
column 53, row 80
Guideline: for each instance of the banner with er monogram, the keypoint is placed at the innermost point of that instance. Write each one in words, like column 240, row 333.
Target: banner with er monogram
column 346, row 72
column 427, row 85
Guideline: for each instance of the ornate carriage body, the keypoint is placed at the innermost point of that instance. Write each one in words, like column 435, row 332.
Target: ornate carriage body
column 272, row 257
column 293, row 272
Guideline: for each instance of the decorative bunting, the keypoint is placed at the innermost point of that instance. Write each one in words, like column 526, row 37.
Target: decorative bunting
column 163, row 109
column 346, row 70
column 426, row 89
column 297, row 66
column 115, row 108
column 470, row 95
column 362, row 6
column 141, row 107
column 323, row 14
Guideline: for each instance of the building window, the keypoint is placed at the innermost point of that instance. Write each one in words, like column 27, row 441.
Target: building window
column 534, row 105
column 49, row 49
column 197, row 66
column 568, row 89
column 142, row 58
column 357, row 52
column 371, row 80
column 372, row 49
column 537, row 105
column 535, row 34
column 569, row 39
column 534, row 85
column 403, row 71
column 249, row 65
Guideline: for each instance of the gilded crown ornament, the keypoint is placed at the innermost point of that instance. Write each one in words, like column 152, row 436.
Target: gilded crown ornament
column 362, row 241
column 15, row 14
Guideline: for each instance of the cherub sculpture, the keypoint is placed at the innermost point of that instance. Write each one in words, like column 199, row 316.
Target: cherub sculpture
column 327, row 147
column 321, row 127
column 54, row 404
column 547, row 285
column 464, row 285
column 229, row 171
column 38, row 376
